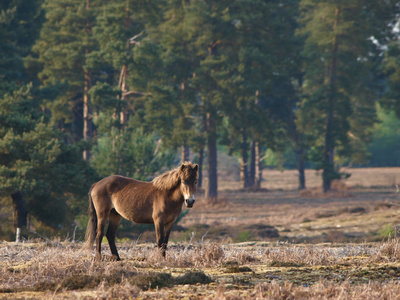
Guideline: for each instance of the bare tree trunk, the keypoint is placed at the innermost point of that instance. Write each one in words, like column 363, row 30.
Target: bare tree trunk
column 328, row 164
column 87, row 124
column 258, row 166
column 123, row 114
column 20, row 213
column 123, row 85
column 301, row 168
column 201, row 159
column 184, row 152
column 212, row 188
column 252, row 169
column 244, row 173
column 201, row 151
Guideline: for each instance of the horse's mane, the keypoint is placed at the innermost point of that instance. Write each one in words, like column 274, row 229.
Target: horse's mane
column 167, row 181
column 171, row 179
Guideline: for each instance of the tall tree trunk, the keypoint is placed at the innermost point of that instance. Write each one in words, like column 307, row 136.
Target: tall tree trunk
column 301, row 168
column 123, row 115
column 329, row 147
column 212, row 188
column 20, row 213
column 201, row 159
column 244, row 173
column 185, row 152
column 299, row 148
column 87, row 123
column 328, row 165
column 201, row 151
column 252, row 169
column 258, row 166
column 124, row 73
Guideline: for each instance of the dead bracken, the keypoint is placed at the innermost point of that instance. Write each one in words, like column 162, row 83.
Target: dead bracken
column 281, row 269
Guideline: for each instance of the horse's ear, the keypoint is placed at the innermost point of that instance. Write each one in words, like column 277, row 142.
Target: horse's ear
column 196, row 167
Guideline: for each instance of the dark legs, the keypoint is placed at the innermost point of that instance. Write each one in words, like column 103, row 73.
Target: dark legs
column 99, row 235
column 162, row 233
column 159, row 226
column 114, row 219
column 113, row 223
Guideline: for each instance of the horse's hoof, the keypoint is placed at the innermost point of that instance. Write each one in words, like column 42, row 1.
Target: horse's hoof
column 115, row 258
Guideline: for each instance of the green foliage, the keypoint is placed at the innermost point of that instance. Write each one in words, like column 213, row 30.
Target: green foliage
column 64, row 54
column 130, row 153
column 20, row 23
column 385, row 145
column 34, row 160
column 387, row 231
column 335, row 53
column 391, row 101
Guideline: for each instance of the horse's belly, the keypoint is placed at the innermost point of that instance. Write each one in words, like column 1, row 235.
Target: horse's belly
column 140, row 219
column 135, row 217
column 136, row 214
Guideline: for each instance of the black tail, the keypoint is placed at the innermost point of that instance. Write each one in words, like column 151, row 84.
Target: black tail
column 91, row 230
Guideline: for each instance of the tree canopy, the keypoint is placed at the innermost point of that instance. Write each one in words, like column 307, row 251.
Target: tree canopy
column 94, row 88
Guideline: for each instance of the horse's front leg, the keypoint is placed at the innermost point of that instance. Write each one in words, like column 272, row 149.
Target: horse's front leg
column 168, row 228
column 159, row 226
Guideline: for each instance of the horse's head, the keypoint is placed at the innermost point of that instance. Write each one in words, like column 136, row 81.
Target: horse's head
column 188, row 177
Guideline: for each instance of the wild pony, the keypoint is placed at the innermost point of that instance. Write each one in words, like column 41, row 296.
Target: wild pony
column 158, row 202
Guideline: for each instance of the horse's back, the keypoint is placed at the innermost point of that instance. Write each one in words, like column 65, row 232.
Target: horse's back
column 113, row 184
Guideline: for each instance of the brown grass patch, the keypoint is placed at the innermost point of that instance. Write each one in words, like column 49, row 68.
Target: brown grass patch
column 339, row 189
column 387, row 251
column 195, row 271
column 327, row 290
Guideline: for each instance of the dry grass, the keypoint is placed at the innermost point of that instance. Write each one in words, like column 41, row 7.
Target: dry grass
column 267, row 271
column 327, row 290
column 288, row 179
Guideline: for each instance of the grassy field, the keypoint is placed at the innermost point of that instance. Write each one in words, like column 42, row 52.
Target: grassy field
column 277, row 243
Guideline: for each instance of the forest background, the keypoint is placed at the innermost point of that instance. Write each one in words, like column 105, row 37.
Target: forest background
column 94, row 88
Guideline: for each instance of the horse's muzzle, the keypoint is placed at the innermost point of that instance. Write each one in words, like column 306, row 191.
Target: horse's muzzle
column 189, row 202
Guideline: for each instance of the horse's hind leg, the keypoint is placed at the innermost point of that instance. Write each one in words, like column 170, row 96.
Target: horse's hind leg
column 101, row 223
column 113, row 223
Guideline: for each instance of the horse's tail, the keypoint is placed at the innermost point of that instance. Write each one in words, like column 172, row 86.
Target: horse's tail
column 91, row 230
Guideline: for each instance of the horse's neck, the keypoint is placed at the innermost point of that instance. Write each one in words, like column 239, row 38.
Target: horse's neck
column 176, row 194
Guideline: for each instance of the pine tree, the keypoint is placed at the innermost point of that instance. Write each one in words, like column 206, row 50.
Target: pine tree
column 130, row 153
column 64, row 51
column 210, row 27
column 37, row 170
column 20, row 23
column 258, row 87
column 337, row 46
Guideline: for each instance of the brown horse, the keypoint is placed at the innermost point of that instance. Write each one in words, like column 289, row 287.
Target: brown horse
column 158, row 202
